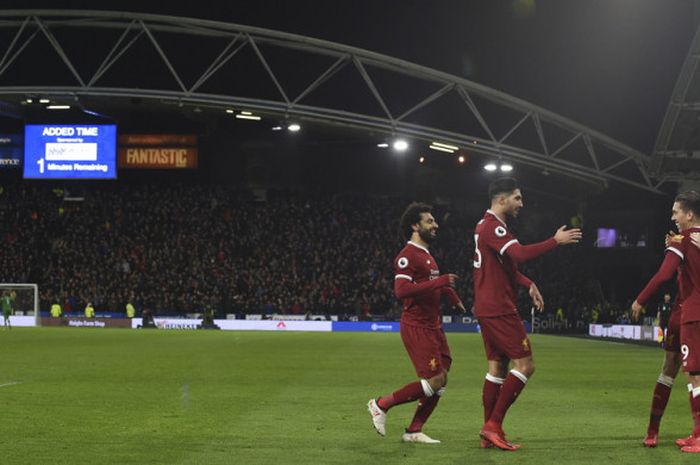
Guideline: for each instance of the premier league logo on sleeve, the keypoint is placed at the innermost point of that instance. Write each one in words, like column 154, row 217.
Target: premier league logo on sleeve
column 500, row 231
column 402, row 262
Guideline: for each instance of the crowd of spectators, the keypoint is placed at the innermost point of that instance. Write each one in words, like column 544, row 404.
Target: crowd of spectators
column 179, row 249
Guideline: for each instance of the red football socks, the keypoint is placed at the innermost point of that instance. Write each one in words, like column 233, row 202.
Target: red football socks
column 408, row 393
column 513, row 385
column 658, row 405
column 425, row 407
column 489, row 394
column 695, row 409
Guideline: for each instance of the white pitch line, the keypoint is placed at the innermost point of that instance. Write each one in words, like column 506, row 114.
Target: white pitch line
column 11, row 384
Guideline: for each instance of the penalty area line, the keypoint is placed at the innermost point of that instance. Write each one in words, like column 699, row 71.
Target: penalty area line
column 11, row 383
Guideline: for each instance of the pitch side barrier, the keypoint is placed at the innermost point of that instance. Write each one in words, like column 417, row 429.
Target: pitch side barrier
column 629, row 332
column 19, row 321
column 279, row 323
column 462, row 324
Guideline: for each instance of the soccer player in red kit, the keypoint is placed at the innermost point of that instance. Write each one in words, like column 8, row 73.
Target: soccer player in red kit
column 682, row 256
column 419, row 284
column 496, row 257
column 672, row 347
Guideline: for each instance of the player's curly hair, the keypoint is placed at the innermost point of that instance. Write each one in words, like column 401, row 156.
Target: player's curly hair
column 689, row 201
column 411, row 216
column 502, row 186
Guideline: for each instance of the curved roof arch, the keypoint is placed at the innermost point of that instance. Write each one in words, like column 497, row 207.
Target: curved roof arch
column 676, row 155
column 195, row 61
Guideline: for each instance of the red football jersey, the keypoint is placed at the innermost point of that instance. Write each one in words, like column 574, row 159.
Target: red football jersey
column 689, row 280
column 415, row 264
column 495, row 288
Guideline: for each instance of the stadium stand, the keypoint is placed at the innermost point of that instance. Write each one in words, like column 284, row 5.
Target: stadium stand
column 180, row 249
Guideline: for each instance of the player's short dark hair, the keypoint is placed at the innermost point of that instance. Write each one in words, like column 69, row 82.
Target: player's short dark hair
column 411, row 216
column 689, row 201
column 502, row 186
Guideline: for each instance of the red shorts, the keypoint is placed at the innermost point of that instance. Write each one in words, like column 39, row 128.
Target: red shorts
column 427, row 349
column 690, row 346
column 672, row 338
column 505, row 337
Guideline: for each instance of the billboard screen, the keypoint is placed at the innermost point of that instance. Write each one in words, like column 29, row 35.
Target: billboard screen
column 70, row 151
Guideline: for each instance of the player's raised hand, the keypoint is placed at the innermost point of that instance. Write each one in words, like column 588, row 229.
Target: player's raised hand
column 565, row 236
column 695, row 239
column 452, row 279
column 536, row 297
column 460, row 307
column 669, row 238
column 636, row 310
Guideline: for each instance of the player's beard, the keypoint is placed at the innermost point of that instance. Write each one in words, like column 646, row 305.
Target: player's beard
column 426, row 236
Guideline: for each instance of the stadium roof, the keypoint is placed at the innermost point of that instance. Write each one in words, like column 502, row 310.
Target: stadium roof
column 676, row 154
column 215, row 66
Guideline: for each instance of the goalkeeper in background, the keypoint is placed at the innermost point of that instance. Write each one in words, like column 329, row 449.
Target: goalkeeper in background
column 6, row 302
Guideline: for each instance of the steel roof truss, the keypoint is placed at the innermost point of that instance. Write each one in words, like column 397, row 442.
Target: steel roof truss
column 268, row 69
column 334, row 68
column 475, row 111
column 616, row 164
column 591, row 151
column 540, row 133
column 431, row 98
column 218, row 62
column 163, row 56
column 54, row 43
column 372, row 87
column 115, row 53
column 514, row 128
column 566, row 144
column 4, row 66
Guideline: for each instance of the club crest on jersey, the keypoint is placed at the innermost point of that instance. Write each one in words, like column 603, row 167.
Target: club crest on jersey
column 402, row 262
column 526, row 345
column 500, row 231
column 433, row 364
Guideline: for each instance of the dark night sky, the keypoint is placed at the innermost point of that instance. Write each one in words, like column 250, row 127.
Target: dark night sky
column 609, row 64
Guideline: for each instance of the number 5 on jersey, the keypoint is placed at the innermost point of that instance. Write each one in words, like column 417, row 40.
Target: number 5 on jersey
column 477, row 252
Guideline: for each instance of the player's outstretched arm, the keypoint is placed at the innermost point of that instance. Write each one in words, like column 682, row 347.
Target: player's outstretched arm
column 565, row 236
column 404, row 288
column 522, row 280
column 453, row 298
column 522, row 253
column 636, row 310
column 536, row 297
column 666, row 271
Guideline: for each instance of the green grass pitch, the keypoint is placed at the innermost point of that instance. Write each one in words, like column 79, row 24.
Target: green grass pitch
column 89, row 396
